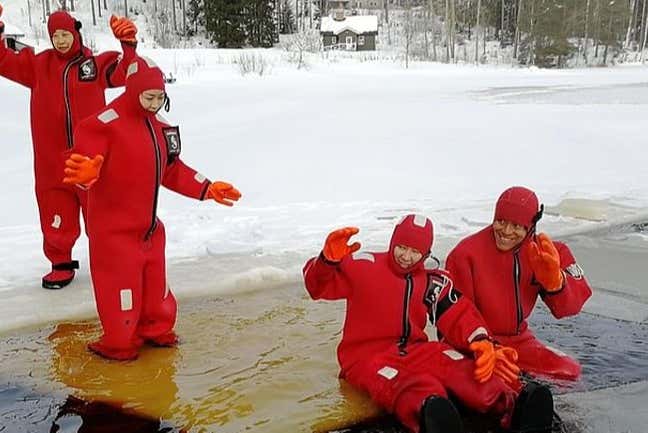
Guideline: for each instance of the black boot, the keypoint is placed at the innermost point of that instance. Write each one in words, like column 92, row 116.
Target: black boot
column 438, row 415
column 533, row 410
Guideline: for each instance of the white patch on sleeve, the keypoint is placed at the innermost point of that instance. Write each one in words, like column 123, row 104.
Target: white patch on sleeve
column 126, row 298
column 477, row 332
column 108, row 116
column 420, row 220
column 363, row 256
column 57, row 221
column 388, row 372
column 556, row 351
column 453, row 354
column 199, row 178
column 132, row 69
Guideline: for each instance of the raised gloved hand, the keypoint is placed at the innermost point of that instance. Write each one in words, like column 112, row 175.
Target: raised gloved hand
column 545, row 262
column 222, row 192
column 337, row 245
column 494, row 359
column 123, row 29
column 81, row 170
column 506, row 364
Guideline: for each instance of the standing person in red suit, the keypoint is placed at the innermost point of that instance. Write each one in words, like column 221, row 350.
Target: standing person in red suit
column 505, row 267
column 123, row 155
column 385, row 351
column 67, row 84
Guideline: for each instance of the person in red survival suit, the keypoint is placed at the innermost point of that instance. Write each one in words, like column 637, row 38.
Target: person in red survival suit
column 67, row 84
column 385, row 350
column 123, row 155
column 505, row 267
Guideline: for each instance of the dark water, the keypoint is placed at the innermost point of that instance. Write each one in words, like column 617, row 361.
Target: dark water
column 612, row 352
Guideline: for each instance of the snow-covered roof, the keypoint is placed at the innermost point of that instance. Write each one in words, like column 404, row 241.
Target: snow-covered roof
column 357, row 24
column 11, row 30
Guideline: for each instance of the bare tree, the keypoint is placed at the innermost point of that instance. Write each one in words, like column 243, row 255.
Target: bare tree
column 98, row 7
column 94, row 15
column 478, row 23
column 516, row 38
column 29, row 12
column 631, row 23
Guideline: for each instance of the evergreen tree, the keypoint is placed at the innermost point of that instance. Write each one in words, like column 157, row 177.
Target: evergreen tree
column 260, row 23
column 225, row 22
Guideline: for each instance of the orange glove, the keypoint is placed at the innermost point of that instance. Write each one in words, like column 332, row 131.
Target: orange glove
column 485, row 359
column 336, row 246
column 81, row 170
column 545, row 262
column 123, row 29
column 222, row 192
column 506, row 364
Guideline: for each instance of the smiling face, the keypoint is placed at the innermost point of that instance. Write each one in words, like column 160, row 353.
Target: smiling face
column 152, row 99
column 62, row 40
column 406, row 257
column 508, row 235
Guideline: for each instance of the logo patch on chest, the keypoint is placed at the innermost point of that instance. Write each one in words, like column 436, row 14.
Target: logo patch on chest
column 88, row 70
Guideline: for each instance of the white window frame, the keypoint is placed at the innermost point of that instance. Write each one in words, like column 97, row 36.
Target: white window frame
column 334, row 39
column 361, row 40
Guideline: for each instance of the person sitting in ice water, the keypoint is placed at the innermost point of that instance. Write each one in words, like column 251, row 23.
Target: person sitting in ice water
column 385, row 351
column 503, row 269
column 123, row 155
column 67, row 84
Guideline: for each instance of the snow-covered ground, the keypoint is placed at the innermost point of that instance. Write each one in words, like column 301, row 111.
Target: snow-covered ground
column 348, row 142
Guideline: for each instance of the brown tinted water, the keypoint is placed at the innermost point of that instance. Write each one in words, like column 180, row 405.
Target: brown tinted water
column 250, row 363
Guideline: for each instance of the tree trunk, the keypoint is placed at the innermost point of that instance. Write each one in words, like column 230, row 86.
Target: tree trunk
column 516, row 38
column 126, row 8
column 645, row 34
column 478, row 23
column 72, row 5
column 184, row 17
column 29, row 12
column 175, row 18
column 94, row 15
column 629, row 31
column 98, row 7
column 587, row 8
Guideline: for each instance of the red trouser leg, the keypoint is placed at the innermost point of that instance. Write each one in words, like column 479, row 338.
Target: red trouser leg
column 395, row 387
column 117, row 264
column 536, row 358
column 59, row 218
column 456, row 374
column 159, row 308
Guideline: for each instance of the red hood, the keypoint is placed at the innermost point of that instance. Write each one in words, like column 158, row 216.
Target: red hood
column 414, row 231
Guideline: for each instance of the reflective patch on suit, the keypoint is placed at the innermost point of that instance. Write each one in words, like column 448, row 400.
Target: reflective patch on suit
column 161, row 118
column 575, row 271
column 477, row 332
column 126, row 299
column 149, row 62
column 363, row 256
column 453, row 354
column 388, row 372
column 108, row 116
column 556, row 351
column 420, row 220
column 167, row 289
column 132, row 69
column 88, row 70
column 57, row 221
column 199, row 178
